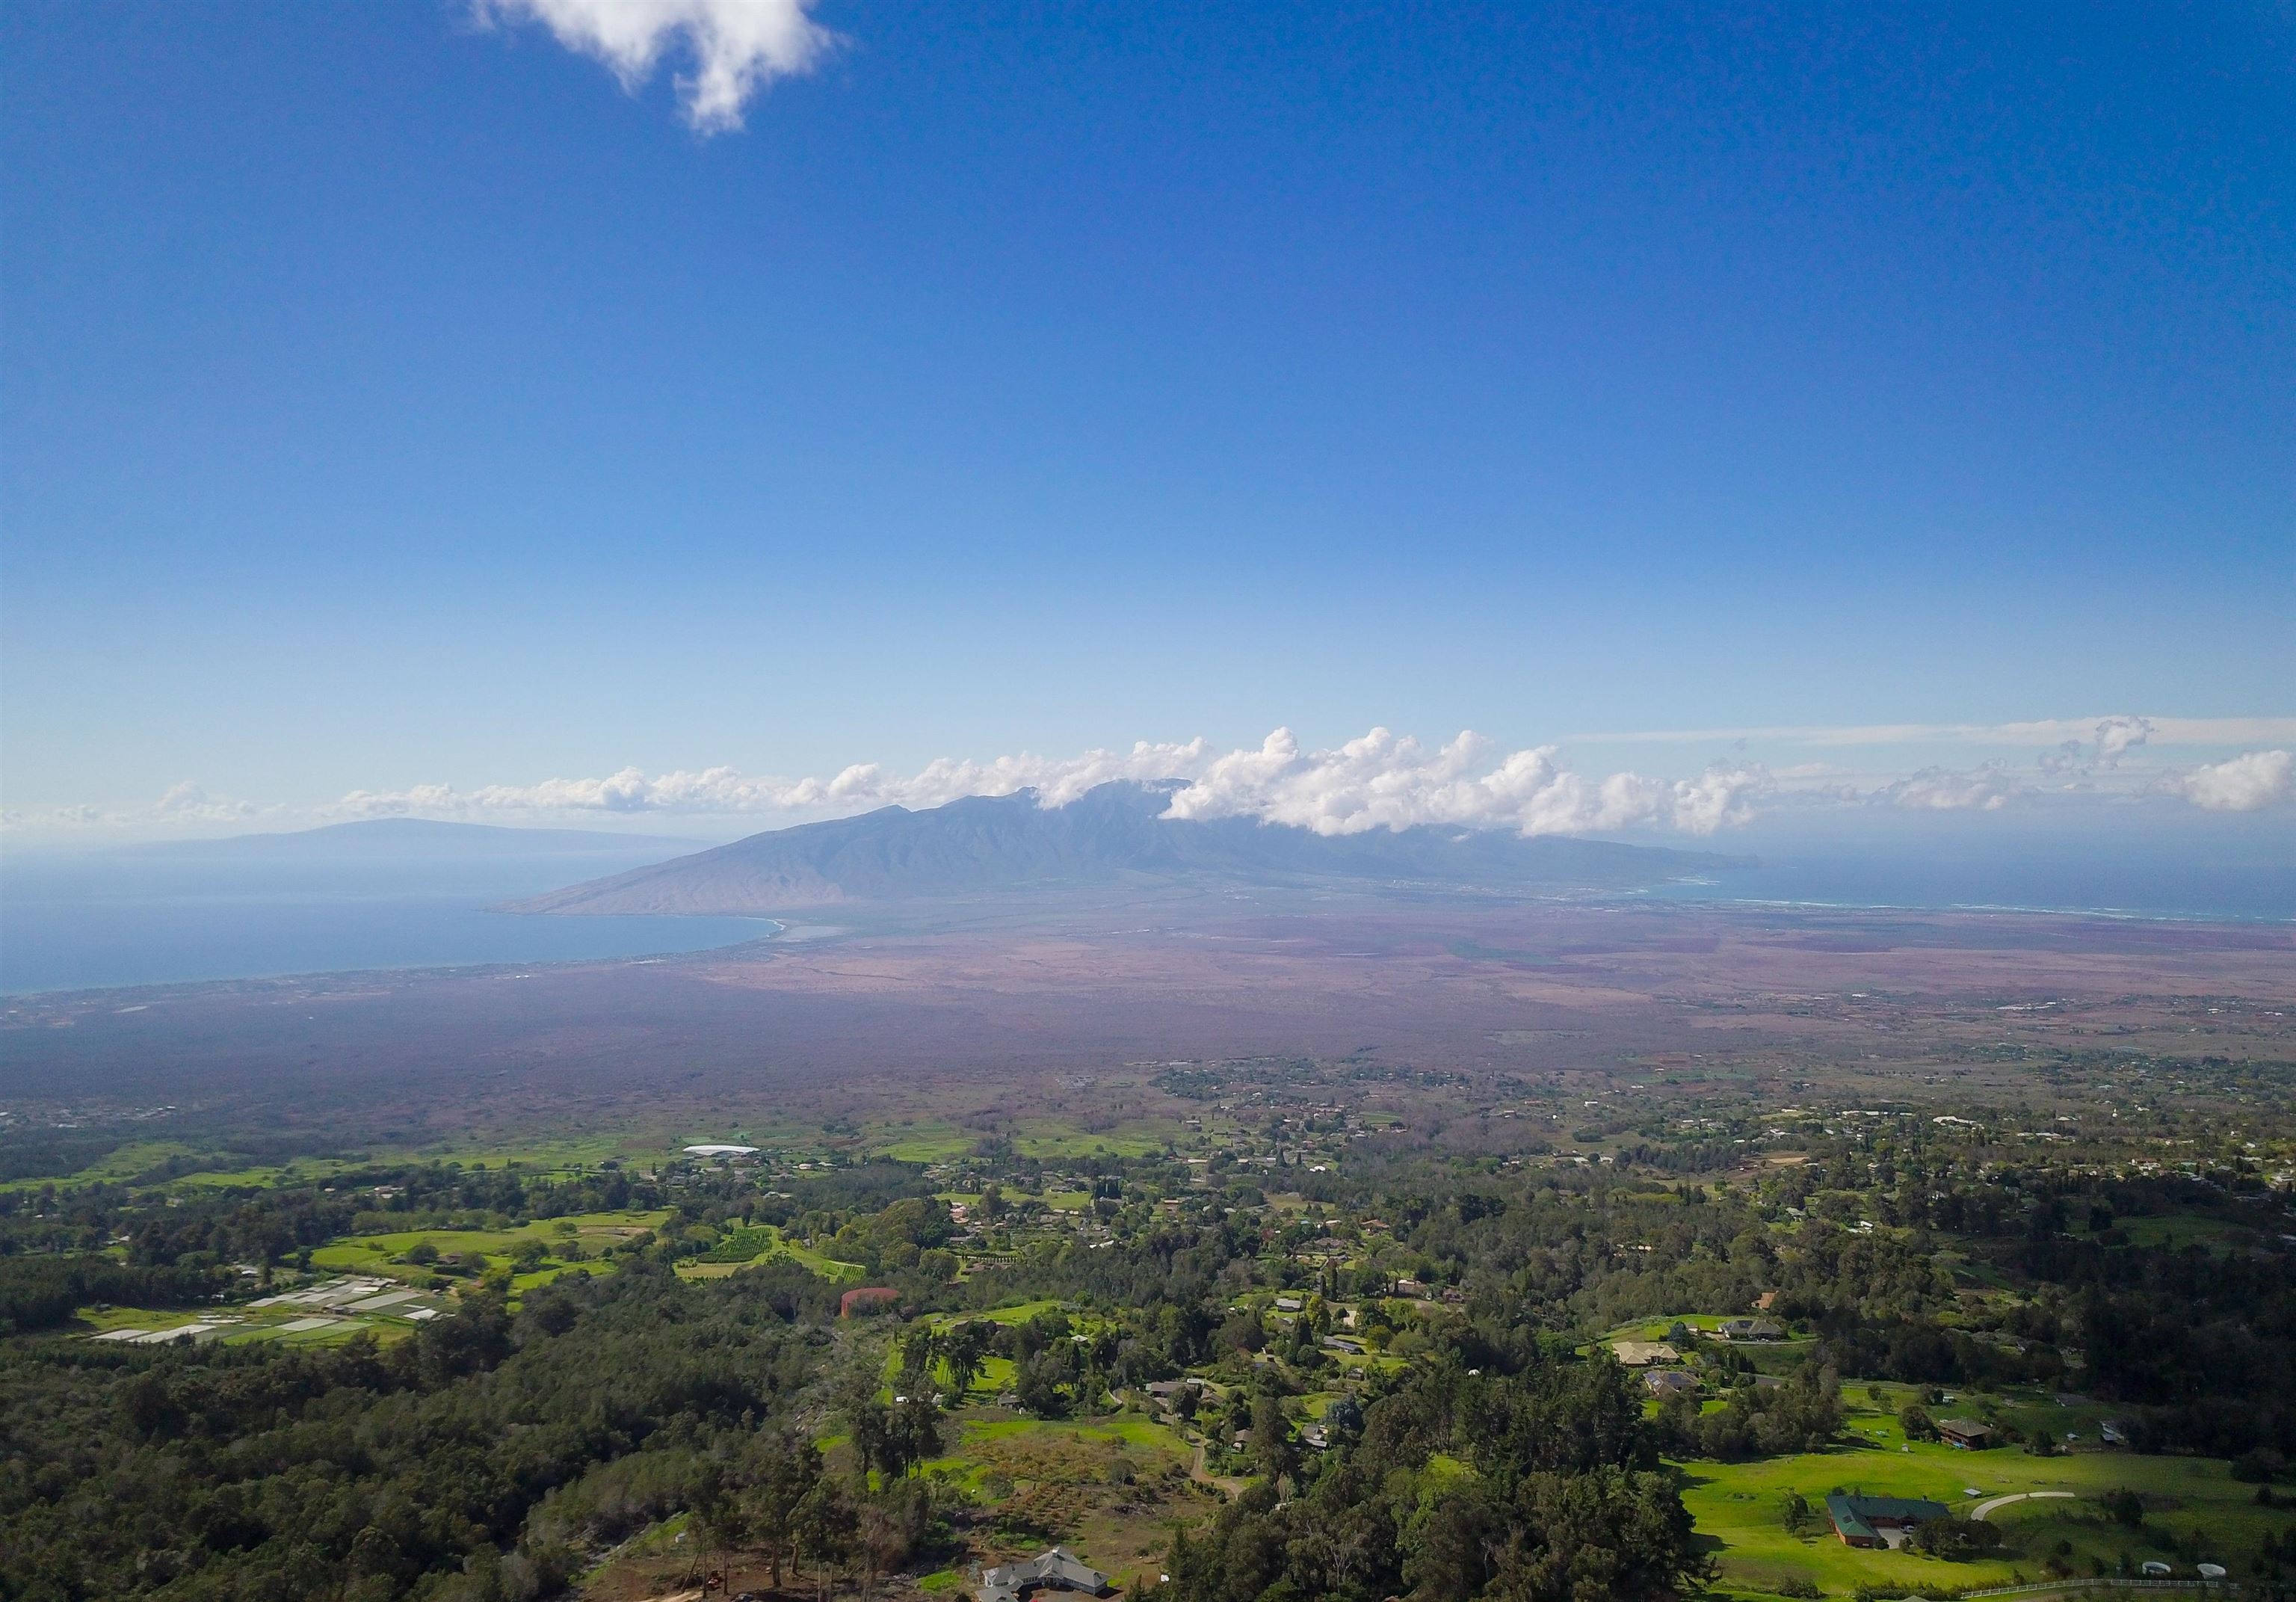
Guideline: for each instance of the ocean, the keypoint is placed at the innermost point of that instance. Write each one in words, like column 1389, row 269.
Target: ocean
column 95, row 920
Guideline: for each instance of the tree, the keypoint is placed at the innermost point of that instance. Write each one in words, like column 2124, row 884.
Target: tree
column 786, row 1472
column 963, row 1350
column 821, row 1529
column 1957, row 1540
column 1272, row 1453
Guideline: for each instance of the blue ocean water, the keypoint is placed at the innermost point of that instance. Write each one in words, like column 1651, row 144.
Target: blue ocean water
column 92, row 921
column 2227, row 870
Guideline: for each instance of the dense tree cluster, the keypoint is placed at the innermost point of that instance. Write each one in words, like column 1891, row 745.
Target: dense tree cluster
column 476, row 1459
column 1543, row 1485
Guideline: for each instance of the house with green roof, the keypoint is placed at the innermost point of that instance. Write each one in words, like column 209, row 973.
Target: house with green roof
column 1869, row 1521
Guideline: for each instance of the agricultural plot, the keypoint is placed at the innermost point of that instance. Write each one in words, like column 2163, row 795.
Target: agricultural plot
column 332, row 1311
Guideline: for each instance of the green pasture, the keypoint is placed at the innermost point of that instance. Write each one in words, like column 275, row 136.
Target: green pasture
column 382, row 1253
column 1045, row 1139
column 97, row 1320
column 985, row 1444
column 117, row 1166
column 2177, row 1230
column 1020, row 1312
column 1739, row 1509
column 923, row 1140
column 754, row 1243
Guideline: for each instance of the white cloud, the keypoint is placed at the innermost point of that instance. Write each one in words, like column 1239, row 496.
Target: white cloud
column 2117, row 736
column 1380, row 781
column 2248, row 783
column 1383, row 780
column 182, row 803
column 1721, row 795
column 1392, row 781
column 737, row 47
column 1986, row 789
column 726, row 790
column 2113, row 730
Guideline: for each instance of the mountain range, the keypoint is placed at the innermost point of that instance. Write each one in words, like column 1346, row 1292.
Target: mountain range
column 1112, row 835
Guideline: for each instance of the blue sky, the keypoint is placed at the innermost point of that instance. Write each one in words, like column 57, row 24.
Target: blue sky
column 394, row 399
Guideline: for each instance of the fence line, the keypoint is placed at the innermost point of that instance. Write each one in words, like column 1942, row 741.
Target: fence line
column 2109, row 1582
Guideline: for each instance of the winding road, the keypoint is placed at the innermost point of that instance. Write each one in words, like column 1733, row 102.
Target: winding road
column 1984, row 1510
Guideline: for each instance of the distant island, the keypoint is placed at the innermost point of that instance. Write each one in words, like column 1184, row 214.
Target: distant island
column 1112, row 835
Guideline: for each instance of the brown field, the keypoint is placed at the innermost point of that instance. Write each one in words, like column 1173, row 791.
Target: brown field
column 1556, row 993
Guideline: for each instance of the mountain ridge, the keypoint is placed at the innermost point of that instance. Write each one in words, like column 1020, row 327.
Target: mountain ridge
column 1112, row 835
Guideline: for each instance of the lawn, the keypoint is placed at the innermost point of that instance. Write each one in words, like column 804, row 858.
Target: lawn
column 1741, row 1506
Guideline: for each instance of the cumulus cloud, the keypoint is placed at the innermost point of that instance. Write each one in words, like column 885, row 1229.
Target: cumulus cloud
column 1380, row 781
column 1986, row 788
column 1388, row 781
column 2248, row 783
column 737, row 47
column 857, row 788
column 1721, row 795
column 182, row 803
column 1383, row 780
column 2117, row 737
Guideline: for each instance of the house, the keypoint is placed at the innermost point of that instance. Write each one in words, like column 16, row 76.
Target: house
column 1765, row 1301
column 2114, row 1431
column 1288, row 1304
column 1871, row 1521
column 1671, row 1382
column 1058, row 1570
column 1642, row 1354
column 1750, row 1329
column 1965, row 1434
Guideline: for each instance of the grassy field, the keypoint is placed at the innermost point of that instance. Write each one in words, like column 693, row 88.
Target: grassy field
column 1111, row 1487
column 119, row 1164
column 1739, row 1509
column 2178, row 1229
column 1046, row 1140
column 381, row 1255
column 770, row 1244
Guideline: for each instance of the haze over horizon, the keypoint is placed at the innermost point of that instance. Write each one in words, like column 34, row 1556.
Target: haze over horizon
column 763, row 412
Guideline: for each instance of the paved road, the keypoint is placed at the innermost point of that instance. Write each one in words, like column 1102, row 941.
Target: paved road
column 1986, row 1507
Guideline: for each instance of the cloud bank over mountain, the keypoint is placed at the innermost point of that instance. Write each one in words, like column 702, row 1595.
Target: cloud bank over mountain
column 1382, row 780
